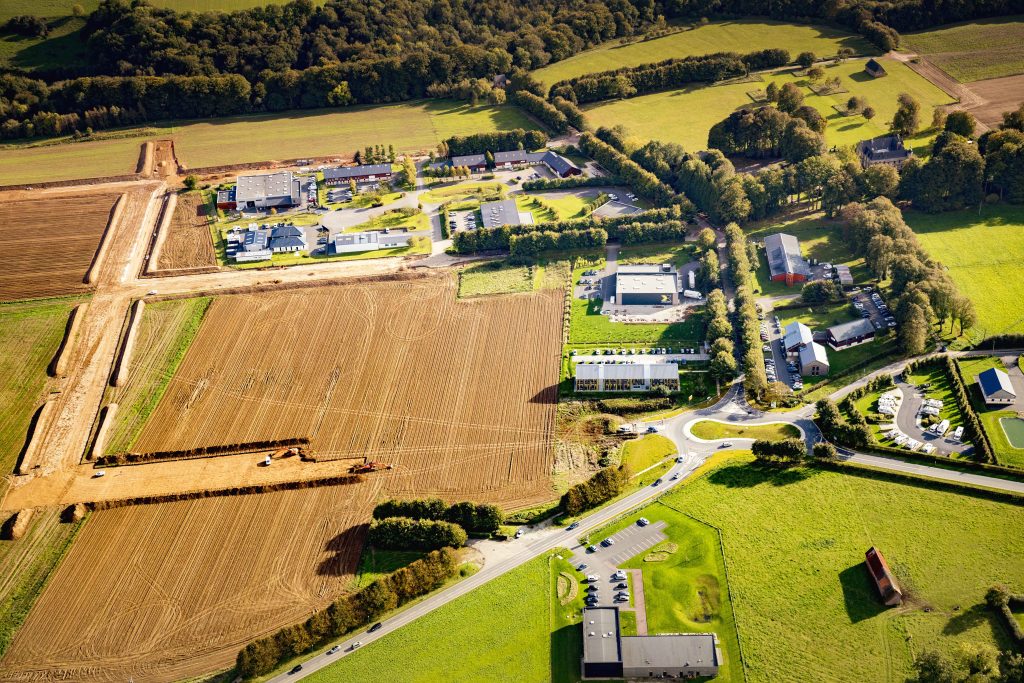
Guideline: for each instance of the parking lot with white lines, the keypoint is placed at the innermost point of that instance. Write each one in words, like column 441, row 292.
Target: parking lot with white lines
column 604, row 561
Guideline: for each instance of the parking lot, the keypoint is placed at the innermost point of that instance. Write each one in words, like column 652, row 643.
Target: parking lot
column 604, row 561
column 870, row 305
column 777, row 366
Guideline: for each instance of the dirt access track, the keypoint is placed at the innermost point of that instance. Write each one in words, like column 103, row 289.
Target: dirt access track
column 999, row 95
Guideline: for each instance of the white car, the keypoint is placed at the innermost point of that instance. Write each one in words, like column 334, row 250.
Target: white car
column 593, row 578
column 619, row 576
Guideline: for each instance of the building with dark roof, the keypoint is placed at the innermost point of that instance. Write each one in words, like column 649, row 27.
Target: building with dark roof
column 852, row 333
column 883, row 577
column 785, row 261
column 874, row 69
column 516, row 157
column 886, row 149
column 626, row 376
column 813, row 360
column 366, row 173
column 609, row 654
column 287, row 238
column 226, row 199
column 476, row 162
column 996, row 387
column 497, row 214
column 268, row 191
column 647, row 285
column 556, row 163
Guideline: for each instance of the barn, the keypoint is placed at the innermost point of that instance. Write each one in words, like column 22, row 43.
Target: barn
column 996, row 387
column 785, row 261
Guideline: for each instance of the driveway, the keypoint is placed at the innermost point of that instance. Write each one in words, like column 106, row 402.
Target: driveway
column 908, row 423
column 604, row 562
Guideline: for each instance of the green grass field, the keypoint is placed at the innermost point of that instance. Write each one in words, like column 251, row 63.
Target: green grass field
column 1005, row 452
column 986, row 48
column 26, row 163
column 63, row 45
column 166, row 331
column 496, row 277
column 686, row 115
column 727, row 36
column 797, row 577
column 375, row 563
column 647, row 451
column 61, row 8
column 26, row 564
column 502, row 631
column 711, row 431
column 30, row 334
column 983, row 254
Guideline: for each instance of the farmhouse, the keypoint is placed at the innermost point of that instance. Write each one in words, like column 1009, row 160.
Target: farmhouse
column 556, row 163
column 271, row 190
column 849, row 334
column 626, row 377
column 351, row 242
column 226, row 199
column 366, row 173
column 797, row 336
column 647, row 285
column 886, row 149
column 785, row 262
column 505, row 212
column 813, row 360
column 609, row 654
column 476, row 163
column 509, row 159
column 996, row 387
column 883, row 577
column 874, row 69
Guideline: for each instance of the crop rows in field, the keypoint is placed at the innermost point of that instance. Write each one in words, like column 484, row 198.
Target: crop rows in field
column 188, row 243
column 458, row 395
column 170, row 591
column 47, row 245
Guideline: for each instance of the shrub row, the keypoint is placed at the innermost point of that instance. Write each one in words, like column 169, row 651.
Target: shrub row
column 200, row 452
column 483, row 517
column 625, row 406
column 403, row 533
column 1003, row 601
column 838, row 430
column 642, row 181
column 642, row 233
column 670, row 73
column 542, row 110
column 571, row 181
column 573, row 114
column 779, row 452
column 526, row 247
column 498, row 141
column 973, row 426
column 347, row 613
column 741, row 269
column 339, row 480
column 601, row 487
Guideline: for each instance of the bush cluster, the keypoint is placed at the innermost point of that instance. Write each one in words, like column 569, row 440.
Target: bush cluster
column 626, row 406
column 972, row 427
column 601, row 487
column 403, row 533
column 347, row 613
column 1001, row 599
column 476, row 517
column 642, row 181
column 784, row 452
column 831, row 423
column 526, row 247
column 542, row 110
column 496, row 141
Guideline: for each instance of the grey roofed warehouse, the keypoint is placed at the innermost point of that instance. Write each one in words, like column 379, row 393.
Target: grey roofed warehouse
column 646, row 285
column 364, row 171
column 497, row 214
column 267, row 190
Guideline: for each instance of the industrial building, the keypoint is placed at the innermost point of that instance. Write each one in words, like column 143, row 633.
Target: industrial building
column 352, row 242
column 609, row 654
column 268, row 191
column 505, row 212
column 366, row 173
column 260, row 243
column 785, row 262
column 626, row 376
column 647, row 285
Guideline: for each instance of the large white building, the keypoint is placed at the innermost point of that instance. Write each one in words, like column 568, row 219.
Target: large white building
column 626, row 376
column 267, row 191
column 352, row 242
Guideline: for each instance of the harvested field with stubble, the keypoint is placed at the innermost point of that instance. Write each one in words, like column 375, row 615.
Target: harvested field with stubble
column 170, row 591
column 458, row 394
column 48, row 244
column 188, row 243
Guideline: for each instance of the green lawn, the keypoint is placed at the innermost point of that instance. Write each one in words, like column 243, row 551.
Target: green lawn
column 30, row 334
column 588, row 326
column 375, row 563
column 686, row 115
column 711, row 431
column 647, row 451
column 394, row 219
column 983, row 254
column 26, row 163
column 506, row 630
column 496, row 277
column 794, row 542
column 686, row 590
column 1005, row 453
column 982, row 48
column 463, row 191
column 166, row 331
column 743, row 35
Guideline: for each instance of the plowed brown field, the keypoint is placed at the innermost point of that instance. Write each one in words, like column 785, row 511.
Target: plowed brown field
column 48, row 244
column 171, row 591
column 188, row 243
column 458, row 394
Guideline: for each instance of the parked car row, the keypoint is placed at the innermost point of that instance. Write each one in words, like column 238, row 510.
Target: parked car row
column 664, row 350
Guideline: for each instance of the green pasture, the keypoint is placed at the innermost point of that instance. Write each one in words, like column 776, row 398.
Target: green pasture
column 972, row 51
column 742, row 35
column 62, row 8
column 647, row 451
column 496, row 277
column 686, row 115
column 983, row 252
column 36, row 163
column 991, row 418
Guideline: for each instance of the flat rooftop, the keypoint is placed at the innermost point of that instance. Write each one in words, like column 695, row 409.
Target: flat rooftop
column 646, row 279
column 601, row 635
column 497, row 214
column 669, row 651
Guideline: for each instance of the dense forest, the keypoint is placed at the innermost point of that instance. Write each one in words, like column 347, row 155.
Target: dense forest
column 146, row 63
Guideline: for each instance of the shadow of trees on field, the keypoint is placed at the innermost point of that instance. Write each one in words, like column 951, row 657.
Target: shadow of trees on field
column 344, row 549
column 859, row 595
column 752, row 474
column 967, row 619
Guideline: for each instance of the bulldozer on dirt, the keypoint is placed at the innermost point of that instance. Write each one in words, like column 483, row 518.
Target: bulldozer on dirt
column 369, row 466
column 287, row 452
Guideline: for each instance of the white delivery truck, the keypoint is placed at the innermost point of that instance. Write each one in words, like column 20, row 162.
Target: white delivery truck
column 691, row 294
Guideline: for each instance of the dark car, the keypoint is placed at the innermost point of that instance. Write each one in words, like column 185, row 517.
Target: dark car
column 295, row 669
column 375, row 627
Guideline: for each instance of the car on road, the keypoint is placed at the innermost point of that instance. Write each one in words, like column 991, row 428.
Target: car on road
column 656, row 481
column 295, row 669
column 653, row 429
column 333, row 650
column 519, row 533
column 100, row 473
column 355, row 645
column 675, row 476
column 151, row 292
column 643, row 521
column 375, row 627
column 727, row 444
column 679, row 459
column 574, row 525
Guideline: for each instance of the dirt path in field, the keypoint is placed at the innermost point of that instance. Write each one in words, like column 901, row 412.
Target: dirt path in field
column 968, row 99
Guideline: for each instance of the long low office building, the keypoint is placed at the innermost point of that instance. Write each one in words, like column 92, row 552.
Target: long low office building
column 609, row 654
column 626, row 376
column 352, row 242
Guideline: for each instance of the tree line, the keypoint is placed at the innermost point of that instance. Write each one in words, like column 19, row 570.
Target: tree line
column 347, row 613
column 403, row 533
column 671, row 73
column 497, row 141
column 600, row 488
column 474, row 517
column 528, row 246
